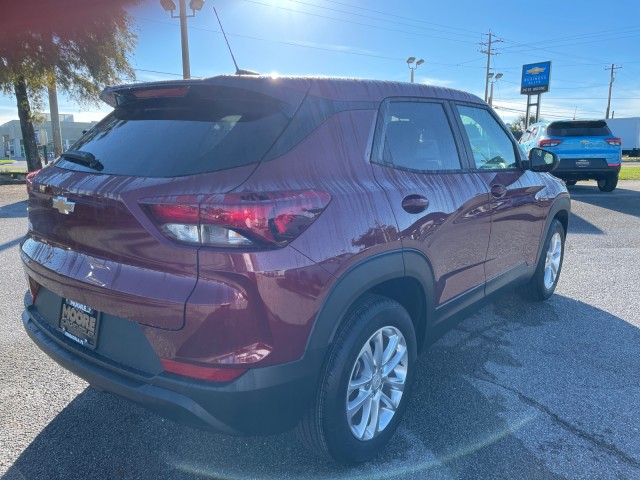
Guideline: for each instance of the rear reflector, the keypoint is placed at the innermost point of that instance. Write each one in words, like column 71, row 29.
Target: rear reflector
column 201, row 372
column 616, row 142
column 549, row 142
column 34, row 288
column 270, row 219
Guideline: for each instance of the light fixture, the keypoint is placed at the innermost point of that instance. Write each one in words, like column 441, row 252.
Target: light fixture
column 168, row 5
column 419, row 62
column 492, row 78
column 411, row 59
column 196, row 4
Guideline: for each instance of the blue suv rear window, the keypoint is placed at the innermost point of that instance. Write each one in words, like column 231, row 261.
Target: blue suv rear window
column 596, row 128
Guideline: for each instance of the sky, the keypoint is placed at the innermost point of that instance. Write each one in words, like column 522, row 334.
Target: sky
column 374, row 38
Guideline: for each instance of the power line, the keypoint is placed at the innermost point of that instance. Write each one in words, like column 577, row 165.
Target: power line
column 295, row 44
column 402, row 17
column 160, row 73
column 590, row 36
column 360, row 23
column 375, row 18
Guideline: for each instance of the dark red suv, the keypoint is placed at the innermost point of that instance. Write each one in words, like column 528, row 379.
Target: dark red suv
column 255, row 253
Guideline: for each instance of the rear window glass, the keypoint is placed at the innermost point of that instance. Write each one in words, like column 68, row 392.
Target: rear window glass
column 207, row 130
column 578, row 129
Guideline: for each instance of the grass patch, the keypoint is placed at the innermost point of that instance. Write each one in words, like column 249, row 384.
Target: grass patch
column 629, row 173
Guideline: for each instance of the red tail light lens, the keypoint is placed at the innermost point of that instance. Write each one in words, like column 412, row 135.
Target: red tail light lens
column 29, row 180
column 549, row 142
column 34, row 288
column 238, row 219
column 614, row 141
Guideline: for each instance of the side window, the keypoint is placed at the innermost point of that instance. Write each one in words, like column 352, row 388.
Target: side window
column 534, row 132
column 526, row 136
column 491, row 146
column 417, row 136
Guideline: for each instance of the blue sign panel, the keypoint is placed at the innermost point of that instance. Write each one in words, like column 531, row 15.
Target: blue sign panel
column 535, row 78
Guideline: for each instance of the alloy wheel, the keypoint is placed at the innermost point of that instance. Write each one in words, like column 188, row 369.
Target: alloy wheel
column 377, row 383
column 552, row 263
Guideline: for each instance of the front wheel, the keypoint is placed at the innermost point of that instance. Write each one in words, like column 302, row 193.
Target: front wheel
column 365, row 383
column 608, row 184
column 545, row 279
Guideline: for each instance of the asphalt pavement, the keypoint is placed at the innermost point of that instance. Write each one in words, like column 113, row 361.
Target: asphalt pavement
column 519, row 390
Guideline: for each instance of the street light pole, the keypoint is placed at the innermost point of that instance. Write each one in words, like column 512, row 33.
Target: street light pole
column 194, row 5
column 184, row 38
column 410, row 61
column 493, row 79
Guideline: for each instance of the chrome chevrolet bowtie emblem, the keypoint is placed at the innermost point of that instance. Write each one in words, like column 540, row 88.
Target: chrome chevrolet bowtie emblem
column 63, row 205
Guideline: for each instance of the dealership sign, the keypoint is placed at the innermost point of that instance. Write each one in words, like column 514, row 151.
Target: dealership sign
column 535, row 78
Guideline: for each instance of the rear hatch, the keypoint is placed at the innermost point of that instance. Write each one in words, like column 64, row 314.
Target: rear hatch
column 91, row 237
column 583, row 143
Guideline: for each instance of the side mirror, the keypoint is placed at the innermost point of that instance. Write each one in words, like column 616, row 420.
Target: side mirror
column 542, row 160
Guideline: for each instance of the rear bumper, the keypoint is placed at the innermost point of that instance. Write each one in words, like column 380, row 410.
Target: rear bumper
column 262, row 401
column 568, row 170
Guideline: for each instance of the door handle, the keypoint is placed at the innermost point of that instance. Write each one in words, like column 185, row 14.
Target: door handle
column 415, row 203
column 498, row 191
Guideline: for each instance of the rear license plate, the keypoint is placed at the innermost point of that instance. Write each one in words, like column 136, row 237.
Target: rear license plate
column 79, row 323
column 583, row 163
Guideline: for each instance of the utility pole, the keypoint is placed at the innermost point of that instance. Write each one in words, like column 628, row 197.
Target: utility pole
column 488, row 51
column 613, row 68
column 55, row 120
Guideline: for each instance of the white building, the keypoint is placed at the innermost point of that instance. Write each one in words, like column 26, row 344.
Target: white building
column 11, row 135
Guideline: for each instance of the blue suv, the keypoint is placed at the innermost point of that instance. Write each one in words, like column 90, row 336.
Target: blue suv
column 587, row 150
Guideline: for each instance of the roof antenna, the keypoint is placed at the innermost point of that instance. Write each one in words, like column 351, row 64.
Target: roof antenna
column 239, row 71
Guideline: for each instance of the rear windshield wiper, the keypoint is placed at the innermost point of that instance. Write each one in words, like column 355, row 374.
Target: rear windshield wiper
column 83, row 158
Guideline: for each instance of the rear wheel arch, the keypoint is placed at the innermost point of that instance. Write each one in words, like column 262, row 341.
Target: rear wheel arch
column 384, row 275
column 563, row 218
column 558, row 211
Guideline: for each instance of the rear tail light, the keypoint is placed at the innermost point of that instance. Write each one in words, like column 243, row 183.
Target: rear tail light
column 34, row 288
column 549, row 142
column 237, row 219
column 616, row 142
column 29, row 180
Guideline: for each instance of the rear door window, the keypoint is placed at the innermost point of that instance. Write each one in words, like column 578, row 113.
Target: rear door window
column 206, row 130
column 417, row 136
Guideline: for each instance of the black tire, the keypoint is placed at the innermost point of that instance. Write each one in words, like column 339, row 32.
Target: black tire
column 608, row 184
column 326, row 429
column 571, row 183
column 539, row 286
